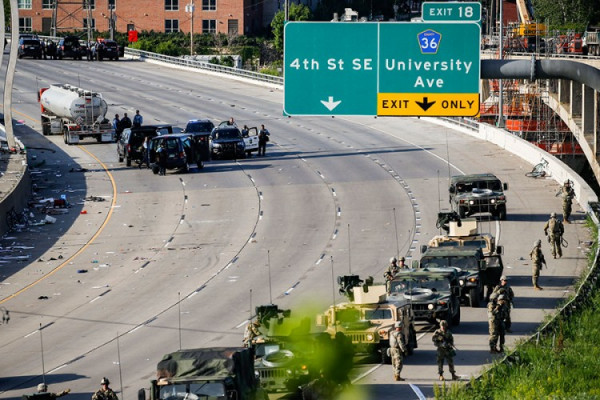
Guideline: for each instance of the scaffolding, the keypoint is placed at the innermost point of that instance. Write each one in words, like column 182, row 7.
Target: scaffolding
column 74, row 16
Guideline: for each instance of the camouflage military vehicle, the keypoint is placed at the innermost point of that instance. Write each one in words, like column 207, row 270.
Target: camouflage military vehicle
column 464, row 233
column 478, row 193
column 207, row 373
column 369, row 317
column 283, row 351
column 476, row 271
column 434, row 293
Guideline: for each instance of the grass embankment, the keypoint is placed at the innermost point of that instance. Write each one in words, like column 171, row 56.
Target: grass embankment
column 563, row 365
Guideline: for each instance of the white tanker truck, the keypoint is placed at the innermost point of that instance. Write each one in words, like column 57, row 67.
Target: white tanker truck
column 74, row 113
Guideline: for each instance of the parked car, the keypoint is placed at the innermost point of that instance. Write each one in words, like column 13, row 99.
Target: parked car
column 106, row 48
column 199, row 126
column 129, row 145
column 29, row 47
column 227, row 142
column 180, row 151
column 69, row 47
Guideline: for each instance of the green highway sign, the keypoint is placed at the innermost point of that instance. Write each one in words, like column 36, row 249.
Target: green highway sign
column 381, row 68
column 451, row 11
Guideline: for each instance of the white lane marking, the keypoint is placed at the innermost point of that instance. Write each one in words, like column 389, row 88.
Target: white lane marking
column 417, row 391
column 366, row 373
column 57, row 368
column 497, row 231
column 245, row 322
column 29, row 334
column 135, row 329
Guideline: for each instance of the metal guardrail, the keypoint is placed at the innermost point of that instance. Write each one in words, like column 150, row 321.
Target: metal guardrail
column 183, row 62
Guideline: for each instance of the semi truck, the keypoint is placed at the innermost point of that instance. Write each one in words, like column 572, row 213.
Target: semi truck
column 74, row 113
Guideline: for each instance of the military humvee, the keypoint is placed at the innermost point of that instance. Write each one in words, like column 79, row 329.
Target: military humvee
column 207, row 373
column 434, row 293
column 478, row 193
column 369, row 318
column 463, row 233
column 475, row 270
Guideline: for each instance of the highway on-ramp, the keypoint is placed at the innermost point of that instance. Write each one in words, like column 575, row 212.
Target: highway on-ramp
column 179, row 260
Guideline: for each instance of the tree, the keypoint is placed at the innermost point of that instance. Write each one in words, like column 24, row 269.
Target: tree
column 567, row 12
column 297, row 12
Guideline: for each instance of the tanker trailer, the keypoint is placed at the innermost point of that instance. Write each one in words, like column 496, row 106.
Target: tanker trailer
column 74, row 113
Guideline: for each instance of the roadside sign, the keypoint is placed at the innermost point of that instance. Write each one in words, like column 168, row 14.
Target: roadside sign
column 451, row 11
column 387, row 69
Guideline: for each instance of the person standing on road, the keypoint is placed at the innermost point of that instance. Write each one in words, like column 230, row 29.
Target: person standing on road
column 144, row 151
column 397, row 349
column 499, row 313
column 105, row 393
column 537, row 257
column 162, row 159
column 263, row 138
column 505, row 289
column 116, row 124
column 125, row 122
column 138, row 120
column 568, row 194
column 555, row 235
column 444, row 341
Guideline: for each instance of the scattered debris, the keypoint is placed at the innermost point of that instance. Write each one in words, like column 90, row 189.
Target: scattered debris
column 78, row 170
column 82, row 271
column 43, row 298
column 95, row 198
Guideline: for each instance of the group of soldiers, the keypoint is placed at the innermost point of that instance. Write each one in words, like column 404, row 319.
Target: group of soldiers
column 104, row 393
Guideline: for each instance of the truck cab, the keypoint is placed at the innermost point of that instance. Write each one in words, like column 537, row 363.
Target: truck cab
column 478, row 193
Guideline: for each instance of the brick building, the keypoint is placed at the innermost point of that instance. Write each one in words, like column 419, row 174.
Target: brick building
column 233, row 17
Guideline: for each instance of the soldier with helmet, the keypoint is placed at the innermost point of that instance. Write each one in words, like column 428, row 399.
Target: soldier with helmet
column 505, row 289
column 391, row 272
column 105, row 393
column 397, row 349
column 568, row 194
column 537, row 258
column 251, row 333
column 401, row 264
column 42, row 389
column 498, row 313
column 555, row 235
column 444, row 341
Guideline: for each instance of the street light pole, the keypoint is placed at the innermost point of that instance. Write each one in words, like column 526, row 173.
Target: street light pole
column 191, row 10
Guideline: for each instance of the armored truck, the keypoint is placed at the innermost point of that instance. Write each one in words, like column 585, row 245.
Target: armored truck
column 478, row 193
column 369, row 318
column 206, row 373
column 434, row 293
column 475, row 271
column 464, row 233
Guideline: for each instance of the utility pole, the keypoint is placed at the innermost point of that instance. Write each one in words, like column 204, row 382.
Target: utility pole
column 190, row 8
column 111, row 23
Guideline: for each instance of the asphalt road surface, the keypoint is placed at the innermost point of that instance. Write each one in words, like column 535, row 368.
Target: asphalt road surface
column 181, row 260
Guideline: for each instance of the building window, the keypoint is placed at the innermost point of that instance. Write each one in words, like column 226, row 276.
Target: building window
column 85, row 24
column 209, row 26
column 24, row 4
column 47, row 4
column 171, row 25
column 46, row 24
column 112, row 4
column 232, row 27
column 171, row 5
column 25, row 24
column 92, row 4
column 209, row 5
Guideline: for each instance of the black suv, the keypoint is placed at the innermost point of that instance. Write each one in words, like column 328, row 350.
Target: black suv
column 227, row 141
column 478, row 193
column 70, row 47
column 106, row 49
column 180, row 151
column 129, row 146
column 29, row 47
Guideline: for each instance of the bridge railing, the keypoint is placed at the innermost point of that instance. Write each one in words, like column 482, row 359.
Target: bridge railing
column 202, row 65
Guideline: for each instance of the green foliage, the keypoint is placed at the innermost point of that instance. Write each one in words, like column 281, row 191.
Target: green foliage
column 297, row 12
column 562, row 13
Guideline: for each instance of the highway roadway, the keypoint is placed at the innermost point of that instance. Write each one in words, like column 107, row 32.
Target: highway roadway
column 180, row 259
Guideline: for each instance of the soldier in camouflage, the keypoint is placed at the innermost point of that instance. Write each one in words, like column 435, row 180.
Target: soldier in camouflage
column 444, row 341
column 554, row 229
column 398, row 349
column 505, row 289
column 497, row 314
column 105, row 393
column 537, row 257
column 568, row 194
column 251, row 332
column 391, row 272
